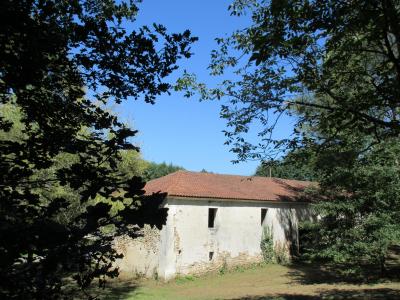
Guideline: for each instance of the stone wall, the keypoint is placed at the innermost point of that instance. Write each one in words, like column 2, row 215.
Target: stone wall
column 141, row 255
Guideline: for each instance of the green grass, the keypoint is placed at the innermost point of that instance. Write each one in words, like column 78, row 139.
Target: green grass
column 257, row 282
column 184, row 279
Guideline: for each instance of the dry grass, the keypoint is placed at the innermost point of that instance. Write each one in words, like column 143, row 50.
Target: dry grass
column 255, row 283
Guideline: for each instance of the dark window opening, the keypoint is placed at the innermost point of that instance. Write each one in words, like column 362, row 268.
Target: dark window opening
column 210, row 255
column 263, row 215
column 212, row 212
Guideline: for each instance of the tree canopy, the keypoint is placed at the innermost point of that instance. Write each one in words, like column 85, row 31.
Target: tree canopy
column 295, row 52
column 154, row 170
column 334, row 68
column 61, row 64
column 298, row 165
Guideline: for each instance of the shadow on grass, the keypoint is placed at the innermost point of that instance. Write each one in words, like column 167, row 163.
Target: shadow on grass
column 307, row 274
column 311, row 274
column 118, row 289
column 114, row 290
column 362, row 294
column 304, row 273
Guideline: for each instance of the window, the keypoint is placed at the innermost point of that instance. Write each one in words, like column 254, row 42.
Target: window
column 210, row 255
column 212, row 212
column 263, row 215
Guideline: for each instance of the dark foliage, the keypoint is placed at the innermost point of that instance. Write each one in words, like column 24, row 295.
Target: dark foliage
column 297, row 51
column 154, row 170
column 61, row 62
column 295, row 165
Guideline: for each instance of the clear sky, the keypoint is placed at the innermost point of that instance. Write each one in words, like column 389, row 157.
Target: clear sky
column 184, row 131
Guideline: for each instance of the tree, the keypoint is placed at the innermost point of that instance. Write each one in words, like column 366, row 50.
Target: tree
column 297, row 51
column 154, row 170
column 334, row 68
column 297, row 165
column 132, row 164
column 61, row 63
column 358, row 203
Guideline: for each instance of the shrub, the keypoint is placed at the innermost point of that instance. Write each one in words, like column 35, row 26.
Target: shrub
column 224, row 268
column 273, row 253
column 267, row 246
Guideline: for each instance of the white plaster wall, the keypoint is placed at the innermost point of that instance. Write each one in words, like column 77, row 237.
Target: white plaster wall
column 184, row 243
column 167, row 263
column 236, row 236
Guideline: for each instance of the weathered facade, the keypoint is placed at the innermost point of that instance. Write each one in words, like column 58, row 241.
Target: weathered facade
column 204, row 233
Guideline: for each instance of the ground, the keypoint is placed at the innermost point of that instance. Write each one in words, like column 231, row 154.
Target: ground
column 254, row 283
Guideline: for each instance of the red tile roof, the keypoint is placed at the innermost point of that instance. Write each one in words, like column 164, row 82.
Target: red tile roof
column 208, row 185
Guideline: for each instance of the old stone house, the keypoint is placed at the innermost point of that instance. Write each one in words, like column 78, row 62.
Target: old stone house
column 213, row 220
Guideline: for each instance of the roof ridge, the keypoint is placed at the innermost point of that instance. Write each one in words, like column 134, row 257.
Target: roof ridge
column 235, row 175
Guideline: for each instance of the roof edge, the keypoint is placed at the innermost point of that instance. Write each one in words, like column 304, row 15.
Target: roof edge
column 233, row 199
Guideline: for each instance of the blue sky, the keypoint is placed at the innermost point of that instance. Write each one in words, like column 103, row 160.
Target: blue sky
column 184, row 131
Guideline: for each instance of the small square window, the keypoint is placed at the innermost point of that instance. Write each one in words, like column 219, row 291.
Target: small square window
column 263, row 215
column 212, row 212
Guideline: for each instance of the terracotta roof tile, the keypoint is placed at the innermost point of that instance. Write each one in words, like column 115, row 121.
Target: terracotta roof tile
column 208, row 185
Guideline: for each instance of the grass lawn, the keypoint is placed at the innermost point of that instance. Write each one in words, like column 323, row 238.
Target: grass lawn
column 254, row 283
